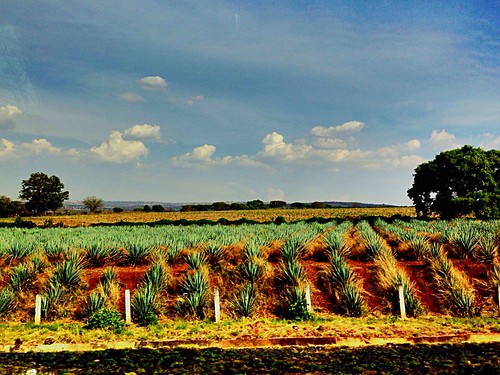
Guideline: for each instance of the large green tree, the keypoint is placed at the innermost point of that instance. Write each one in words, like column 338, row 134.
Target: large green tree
column 42, row 193
column 458, row 182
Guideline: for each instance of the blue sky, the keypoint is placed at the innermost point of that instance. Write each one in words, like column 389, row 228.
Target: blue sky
column 241, row 100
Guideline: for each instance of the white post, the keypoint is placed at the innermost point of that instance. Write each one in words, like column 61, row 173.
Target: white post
column 308, row 298
column 217, row 305
column 128, row 315
column 498, row 299
column 38, row 309
column 402, row 307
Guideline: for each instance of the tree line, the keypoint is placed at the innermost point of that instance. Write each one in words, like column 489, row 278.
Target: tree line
column 460, row 182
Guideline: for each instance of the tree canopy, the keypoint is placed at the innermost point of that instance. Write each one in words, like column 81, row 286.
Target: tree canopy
column 42, row 193
column 459, row 182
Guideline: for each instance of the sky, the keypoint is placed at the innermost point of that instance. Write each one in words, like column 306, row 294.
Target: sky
column 203, row 101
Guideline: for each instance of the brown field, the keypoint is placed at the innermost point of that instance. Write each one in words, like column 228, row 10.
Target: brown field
column 74, row 220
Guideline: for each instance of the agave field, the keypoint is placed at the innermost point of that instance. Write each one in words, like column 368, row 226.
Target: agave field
column 351, row 268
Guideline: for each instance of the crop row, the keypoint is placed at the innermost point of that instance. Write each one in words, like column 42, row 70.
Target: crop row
column 254, row 266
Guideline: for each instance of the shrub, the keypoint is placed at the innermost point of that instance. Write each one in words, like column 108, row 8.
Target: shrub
column 106, row 319
column 296, row 304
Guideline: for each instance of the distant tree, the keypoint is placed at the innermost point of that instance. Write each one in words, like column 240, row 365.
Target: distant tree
column 298, row 205
column 220, row 206
column 157, row 208
column 146, row 208
column 238, row 206
column 277, row 204
column 256, row 204
column 317, row 204
column 42, row 193
column 9, row 207
column 118, row 209
column 458, row 182
column 93, row 203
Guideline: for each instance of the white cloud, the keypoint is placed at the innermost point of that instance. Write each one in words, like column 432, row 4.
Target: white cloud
column 8, row 114
column 275, row 147
column 144, row 131
column 443, row 140
column 7, row 148
column 131, row 97
column 330, row 143
column 345, row 128
column 199, row 157
column 195, row 99
column 39, row 146
column 36, row 147
column 413, row 145
column 118, row 150
column 202, row 156
column 153, row 83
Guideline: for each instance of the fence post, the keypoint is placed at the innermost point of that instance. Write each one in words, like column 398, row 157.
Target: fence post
column 128, row 315
column 217, row 305
column 38, row 309
column 308, row 298
column 402, row 307
column 498, row 299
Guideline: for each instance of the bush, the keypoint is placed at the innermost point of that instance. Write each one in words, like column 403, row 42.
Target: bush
column 106, row 319
column 117, row 209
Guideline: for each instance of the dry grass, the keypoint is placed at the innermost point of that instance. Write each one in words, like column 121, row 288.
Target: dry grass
column 257, row 215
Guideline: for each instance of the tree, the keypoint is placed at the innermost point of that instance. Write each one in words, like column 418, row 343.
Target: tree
column 157, row 208
column 9, row 207
column 277, row 204
column 256, row 204
column 42, row 193
column 93, row 203
column 459, row 182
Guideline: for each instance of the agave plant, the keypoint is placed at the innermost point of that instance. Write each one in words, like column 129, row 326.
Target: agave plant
column 252, row 270
column 466, row 240
column 196, row 287
column 196, row 260
column 453, row 286
column 487, row 249
column 419, row 245
column 335, row 244
column 213, row 252
column 293, row 273
column 98, row 253
column 68, row 274
column 51, row 299
column 145, row 305
column 19, row 250
column 293, row 249
column 108, row 278
column 7, row 301
column 195, row 282
column 19, row 277
column 346, row 290
column 138, row 252
column 252, row 250
column 156, row 277
column 244, row 302
column 94, row 303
